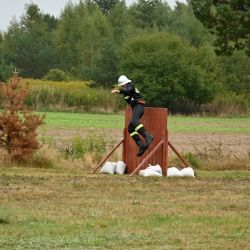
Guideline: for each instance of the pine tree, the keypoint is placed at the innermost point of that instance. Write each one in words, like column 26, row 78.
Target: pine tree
column 18, row 125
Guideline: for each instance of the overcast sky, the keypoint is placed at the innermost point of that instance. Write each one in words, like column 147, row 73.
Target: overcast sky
column 15, row 8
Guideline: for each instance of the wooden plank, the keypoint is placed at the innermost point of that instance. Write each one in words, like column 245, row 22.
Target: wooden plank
column 140, row 166
column 109, row 154
column 177, row 153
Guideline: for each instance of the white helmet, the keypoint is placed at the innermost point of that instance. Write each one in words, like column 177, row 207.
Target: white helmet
column 123, row 80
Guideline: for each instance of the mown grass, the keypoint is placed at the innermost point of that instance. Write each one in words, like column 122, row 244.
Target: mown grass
column 84, row 120
column 68, row 208
column 64, row 206
column 175, row 123
column 209, row 124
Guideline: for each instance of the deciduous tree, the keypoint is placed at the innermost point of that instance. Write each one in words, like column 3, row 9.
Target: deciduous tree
column 28, row 43
column 228, row 20
column 169, row 72
column 81, row 33
column 5, row 69
column 106, row 65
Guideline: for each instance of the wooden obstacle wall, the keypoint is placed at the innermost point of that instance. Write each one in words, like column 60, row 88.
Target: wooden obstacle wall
column 155, row 122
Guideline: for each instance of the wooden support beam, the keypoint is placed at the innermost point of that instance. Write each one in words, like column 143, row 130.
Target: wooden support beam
column 147, row 157
column 116, row 146
column 177, row 153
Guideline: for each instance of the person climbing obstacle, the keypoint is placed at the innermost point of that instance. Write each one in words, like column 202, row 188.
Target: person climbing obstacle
column 133, row 97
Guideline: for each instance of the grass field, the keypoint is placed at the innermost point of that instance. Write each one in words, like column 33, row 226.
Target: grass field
column 64, row 206
column 69, row 208
column 176, row 123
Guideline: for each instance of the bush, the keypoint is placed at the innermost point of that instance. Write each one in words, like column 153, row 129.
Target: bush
column 93, row 143
column 169, row 71
column 58, row 75
column 229, row 103
column 18, row 136
column 193, row 160
column 5, row 72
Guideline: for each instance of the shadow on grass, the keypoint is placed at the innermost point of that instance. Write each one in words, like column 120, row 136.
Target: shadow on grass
column 4, row 221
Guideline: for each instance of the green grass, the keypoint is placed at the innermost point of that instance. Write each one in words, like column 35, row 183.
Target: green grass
column 84, row 120
column 175, row 123
column 68, row 208
column 209, row 124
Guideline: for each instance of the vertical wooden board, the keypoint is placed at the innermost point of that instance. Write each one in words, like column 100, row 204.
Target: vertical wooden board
column 155, row 122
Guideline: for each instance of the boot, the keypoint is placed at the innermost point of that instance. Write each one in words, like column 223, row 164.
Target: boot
column 142, row 148
column 148, row 137
column 139, row 143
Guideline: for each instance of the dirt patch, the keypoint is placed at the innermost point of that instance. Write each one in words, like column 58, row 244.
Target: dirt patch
column 228, row 143
column 236, row 144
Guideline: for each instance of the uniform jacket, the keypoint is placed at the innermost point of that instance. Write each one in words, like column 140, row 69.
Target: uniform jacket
column 131, row 95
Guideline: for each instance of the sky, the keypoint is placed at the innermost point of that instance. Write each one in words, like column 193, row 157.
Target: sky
column 10, row 9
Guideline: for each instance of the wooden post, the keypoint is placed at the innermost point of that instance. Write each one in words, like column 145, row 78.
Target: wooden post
column 141, row 165
column 100, row 164
column 177, row 153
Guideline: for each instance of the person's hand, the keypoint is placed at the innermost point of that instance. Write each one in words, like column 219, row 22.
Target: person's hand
column 115, row 91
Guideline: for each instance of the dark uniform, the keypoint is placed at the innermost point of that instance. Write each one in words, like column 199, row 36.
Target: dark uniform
column 133, row 97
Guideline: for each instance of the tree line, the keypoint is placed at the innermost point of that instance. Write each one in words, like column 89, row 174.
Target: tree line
column 179, row 57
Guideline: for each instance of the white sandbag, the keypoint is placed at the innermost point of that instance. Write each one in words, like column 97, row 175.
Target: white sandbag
column 156, row 168
column 172, row 172
column 108, row 168
column 189, row 172
column 149, row 172
column 120, row 167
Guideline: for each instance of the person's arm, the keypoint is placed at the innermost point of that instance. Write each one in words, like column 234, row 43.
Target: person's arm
column 113, row 91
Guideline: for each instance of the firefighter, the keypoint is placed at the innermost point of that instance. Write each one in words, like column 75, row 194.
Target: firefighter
column 133, row 97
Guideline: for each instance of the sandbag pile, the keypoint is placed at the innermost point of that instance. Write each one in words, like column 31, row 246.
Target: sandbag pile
column 175, row 172
column 151, row 171
column 119, row 167
column 109, row 167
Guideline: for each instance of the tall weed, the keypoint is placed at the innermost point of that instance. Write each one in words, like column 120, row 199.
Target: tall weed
column 229, row 104
column 70, row 96
column 94, row 145
column 213, row 157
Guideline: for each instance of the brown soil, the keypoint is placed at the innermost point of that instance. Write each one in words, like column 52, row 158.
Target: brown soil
column 236, row 144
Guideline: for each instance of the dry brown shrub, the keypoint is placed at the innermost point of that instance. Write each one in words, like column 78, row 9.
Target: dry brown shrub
column 18, row 125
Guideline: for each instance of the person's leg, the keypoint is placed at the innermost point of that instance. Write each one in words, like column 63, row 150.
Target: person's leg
column 135, row 121
column 135, row 136
column 138, row 113
column 142, row 131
